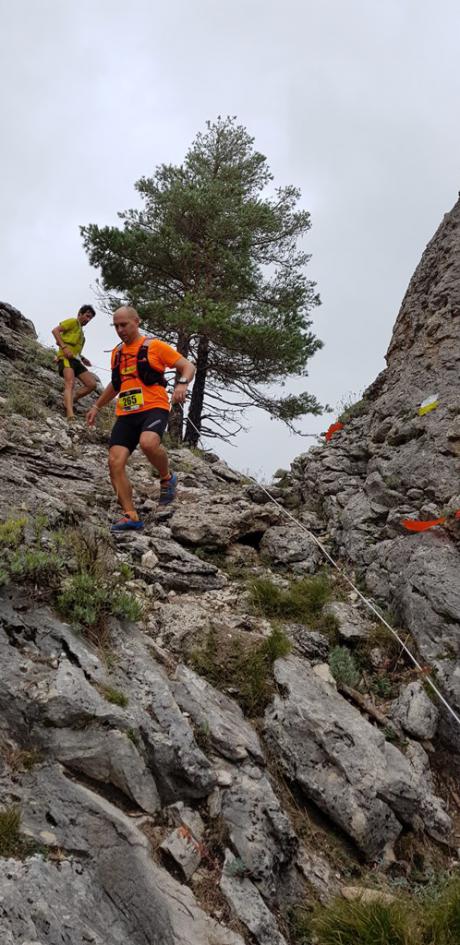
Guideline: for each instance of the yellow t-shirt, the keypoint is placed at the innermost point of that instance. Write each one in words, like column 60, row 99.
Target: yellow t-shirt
column 72, row 334
column 161, row 356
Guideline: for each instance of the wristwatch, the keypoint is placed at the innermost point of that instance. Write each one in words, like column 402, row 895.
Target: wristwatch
column 183, row 380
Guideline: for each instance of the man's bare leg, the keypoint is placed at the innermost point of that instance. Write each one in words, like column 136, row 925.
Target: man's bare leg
column 156, row 454
column 89, row 384
column 69, row 381
column 118, row 457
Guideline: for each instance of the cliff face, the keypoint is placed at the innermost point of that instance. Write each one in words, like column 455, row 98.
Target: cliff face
column 389, row 464
column 201, row 732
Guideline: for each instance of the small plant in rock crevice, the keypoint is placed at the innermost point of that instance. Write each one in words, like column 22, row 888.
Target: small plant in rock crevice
column 10, row 822
column 344, row 667
column 12, row 843
column 352, row 407
column 114, row 696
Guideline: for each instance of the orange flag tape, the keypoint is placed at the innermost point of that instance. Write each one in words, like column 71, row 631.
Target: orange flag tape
column 334, row 428
column 413, row 526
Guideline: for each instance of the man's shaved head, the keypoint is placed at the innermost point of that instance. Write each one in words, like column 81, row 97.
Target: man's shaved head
column 126, row 311
column 126, row 323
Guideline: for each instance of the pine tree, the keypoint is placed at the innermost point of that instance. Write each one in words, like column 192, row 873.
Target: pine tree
column 213, row 263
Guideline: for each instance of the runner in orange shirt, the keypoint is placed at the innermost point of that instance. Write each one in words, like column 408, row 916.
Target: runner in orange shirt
column 142, row 410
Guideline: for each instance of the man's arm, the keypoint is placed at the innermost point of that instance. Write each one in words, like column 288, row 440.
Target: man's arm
column 107, row 395
column 187, row 373
column 61, row 343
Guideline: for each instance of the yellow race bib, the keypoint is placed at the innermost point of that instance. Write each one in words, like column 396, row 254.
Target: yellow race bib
column 132, row 399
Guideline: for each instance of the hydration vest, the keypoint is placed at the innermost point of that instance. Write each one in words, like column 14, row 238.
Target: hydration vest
column 146, row 374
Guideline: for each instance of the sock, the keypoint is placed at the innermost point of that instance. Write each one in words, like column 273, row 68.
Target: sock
column 165, row 478
column 132, row 514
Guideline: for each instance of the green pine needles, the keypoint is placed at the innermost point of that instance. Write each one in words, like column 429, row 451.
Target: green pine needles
column 214, row 263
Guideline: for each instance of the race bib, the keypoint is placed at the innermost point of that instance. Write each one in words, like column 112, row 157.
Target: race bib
column 131, row 400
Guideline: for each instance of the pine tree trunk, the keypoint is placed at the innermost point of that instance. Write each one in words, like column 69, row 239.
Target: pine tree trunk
column 196, row 403
column 176, row 417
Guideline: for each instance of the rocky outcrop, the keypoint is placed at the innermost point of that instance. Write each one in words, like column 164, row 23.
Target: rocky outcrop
column 389, row 463
column 155, row 803
column 345, row 765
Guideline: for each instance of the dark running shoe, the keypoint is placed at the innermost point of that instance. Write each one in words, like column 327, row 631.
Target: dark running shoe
column 126, row 524
column 168, row 489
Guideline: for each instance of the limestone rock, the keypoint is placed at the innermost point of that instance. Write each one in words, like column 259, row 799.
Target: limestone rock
column 416, row 712
column 219, row 717
column 136, row 899
column 259, row 829
column 345, row 765
column 351, row 624
column 248, row 904
column 184, row 849
column 285, row 546
column 220, row 522
column 106, row 756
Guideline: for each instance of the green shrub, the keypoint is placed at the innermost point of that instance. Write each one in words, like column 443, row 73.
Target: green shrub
column 38, row 354
column 10, row 822
column 125, row 606
column 32, row 564
column 83, row 601
column 87, row 601
column 249, row 671
column 303, row 600
column 25, row 402
column 360, row 923
column 12, row 532
column 114, row 696
column 443, row 916
column 343, row 666
column 91, row 549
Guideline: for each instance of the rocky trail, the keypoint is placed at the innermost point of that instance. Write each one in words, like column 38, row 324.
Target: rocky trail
column 202, row 732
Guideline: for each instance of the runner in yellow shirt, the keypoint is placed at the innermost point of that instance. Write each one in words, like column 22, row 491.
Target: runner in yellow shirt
column 71, row 364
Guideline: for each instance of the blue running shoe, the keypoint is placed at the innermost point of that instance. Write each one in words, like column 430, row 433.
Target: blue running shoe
column 168, row 489
column 126, row 524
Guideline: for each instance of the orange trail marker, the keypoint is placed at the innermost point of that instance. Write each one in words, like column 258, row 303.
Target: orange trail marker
column 334, row 428
column 414, row 526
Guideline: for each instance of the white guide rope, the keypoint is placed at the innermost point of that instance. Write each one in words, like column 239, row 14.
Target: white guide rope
column 364, row 599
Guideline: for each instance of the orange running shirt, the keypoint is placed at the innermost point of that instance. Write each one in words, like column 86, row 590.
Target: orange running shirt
column 161, row 356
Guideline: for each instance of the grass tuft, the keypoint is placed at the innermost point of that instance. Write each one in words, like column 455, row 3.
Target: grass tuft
column 443, row 916
column 361, row 923
column 303, row 600
column 249, row 671
column 115, row 697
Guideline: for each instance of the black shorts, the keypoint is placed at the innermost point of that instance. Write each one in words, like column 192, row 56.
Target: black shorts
column 127, row 430
column 75, row 364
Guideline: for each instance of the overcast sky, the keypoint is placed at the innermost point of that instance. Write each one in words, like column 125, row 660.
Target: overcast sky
column 354, row 101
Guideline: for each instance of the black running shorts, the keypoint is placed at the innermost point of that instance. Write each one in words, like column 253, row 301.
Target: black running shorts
column 75, row 364
column 127, row 430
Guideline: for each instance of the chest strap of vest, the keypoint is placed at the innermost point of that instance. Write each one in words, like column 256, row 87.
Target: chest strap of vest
column 144, row 371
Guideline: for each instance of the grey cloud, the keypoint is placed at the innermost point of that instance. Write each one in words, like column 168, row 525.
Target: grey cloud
column 354, row 102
